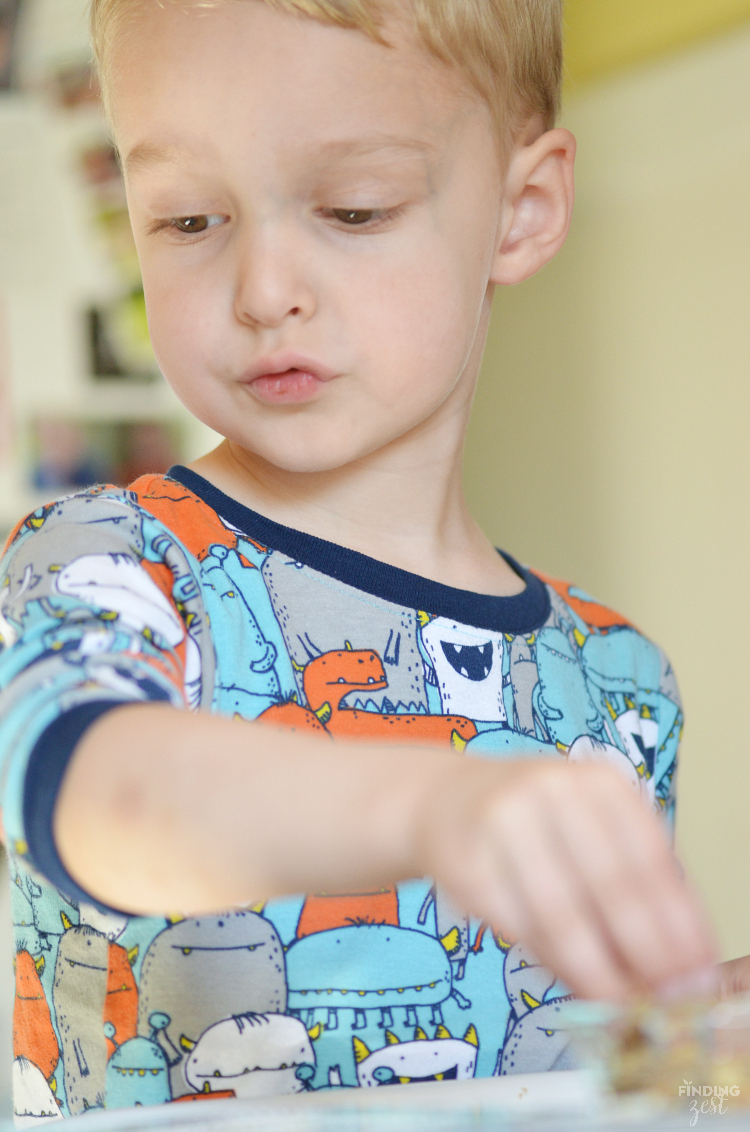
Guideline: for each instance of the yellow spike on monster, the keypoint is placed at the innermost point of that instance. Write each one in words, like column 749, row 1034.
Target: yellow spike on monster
column 360, row 1050
column 324, row 712
column 451, row 940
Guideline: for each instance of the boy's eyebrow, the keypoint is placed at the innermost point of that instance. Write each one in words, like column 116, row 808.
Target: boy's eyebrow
column 145, row 154
column 356, row 147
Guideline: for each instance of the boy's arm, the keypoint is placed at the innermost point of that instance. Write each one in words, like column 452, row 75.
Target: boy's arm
column 164, row 810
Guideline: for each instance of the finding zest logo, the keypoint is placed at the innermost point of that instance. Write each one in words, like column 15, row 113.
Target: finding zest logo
column 711, row 1098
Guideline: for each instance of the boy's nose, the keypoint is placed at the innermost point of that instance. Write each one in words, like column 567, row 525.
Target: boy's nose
column 272, row 281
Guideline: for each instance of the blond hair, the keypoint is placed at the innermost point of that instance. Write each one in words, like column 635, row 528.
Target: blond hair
column 509, row 51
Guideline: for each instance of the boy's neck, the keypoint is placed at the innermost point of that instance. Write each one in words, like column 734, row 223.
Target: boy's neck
column 403, row 505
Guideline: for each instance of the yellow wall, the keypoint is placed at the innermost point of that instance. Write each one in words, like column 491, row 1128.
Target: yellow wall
column 611, row 438
column 606, row 34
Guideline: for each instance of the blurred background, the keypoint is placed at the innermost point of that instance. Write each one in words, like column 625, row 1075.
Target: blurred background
column 611, row 439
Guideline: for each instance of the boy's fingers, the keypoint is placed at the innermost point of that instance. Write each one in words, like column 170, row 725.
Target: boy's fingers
column 673, row 905
column 554, row 915
column 600, row 883
column 702, row 983
column 649, row 920
column 575, row 865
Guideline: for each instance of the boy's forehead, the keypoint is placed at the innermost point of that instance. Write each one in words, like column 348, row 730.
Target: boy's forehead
column 326, row 88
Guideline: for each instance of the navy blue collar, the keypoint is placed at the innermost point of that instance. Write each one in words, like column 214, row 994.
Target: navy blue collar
column 522, row 613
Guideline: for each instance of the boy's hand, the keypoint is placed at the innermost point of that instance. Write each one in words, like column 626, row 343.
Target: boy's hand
column 569, row 859
column 734, row 977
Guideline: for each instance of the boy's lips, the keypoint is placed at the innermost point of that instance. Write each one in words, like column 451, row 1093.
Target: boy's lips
column 287, row 379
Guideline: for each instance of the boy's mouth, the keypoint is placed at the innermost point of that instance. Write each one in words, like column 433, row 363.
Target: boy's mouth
column 286, row 379
column 291, row 387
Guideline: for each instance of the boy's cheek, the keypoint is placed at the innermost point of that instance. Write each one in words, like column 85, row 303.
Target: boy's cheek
column 398, row 327
column 186, row 323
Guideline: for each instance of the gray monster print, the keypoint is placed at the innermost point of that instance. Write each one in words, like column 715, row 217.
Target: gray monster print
column 199, row 972
column 301, row 600
column 539, row 1042
column 78, row 994
column 536, row 1039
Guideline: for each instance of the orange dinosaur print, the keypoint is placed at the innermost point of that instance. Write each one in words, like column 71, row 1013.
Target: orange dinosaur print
column 324, row 910
column 329, row 678
column 198, row 526
column 291, row 716
column 33, row 1033
column 121, row 1002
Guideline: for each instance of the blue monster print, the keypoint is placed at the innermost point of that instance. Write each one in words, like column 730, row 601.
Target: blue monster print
column 235, row 596
column 137, row 1072
column 562, row 702
column 385, row 967
column 622, row 661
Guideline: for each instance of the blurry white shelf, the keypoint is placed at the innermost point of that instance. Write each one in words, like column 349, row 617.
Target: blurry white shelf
column 95, row 401
column 101, row 399
column 120, row 399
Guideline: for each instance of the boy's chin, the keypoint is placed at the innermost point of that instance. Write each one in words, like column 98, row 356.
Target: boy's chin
column 314, row 455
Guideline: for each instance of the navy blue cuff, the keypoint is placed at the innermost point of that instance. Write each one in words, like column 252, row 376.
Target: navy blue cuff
column 48, row 763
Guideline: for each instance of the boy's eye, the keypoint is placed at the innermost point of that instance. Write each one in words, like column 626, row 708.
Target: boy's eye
column 195, row 224
column 353, row 215
column 367, row 218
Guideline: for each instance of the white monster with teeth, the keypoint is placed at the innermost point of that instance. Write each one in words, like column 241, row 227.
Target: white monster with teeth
column 468, row 666
column 444, row 1058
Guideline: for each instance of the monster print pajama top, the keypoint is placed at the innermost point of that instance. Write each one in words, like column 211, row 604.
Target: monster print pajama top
column 172, row 591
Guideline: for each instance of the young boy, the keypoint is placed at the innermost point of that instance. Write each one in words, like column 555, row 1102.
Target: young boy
column 271, row 673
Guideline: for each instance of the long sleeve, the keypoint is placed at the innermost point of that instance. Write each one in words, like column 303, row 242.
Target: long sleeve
column 95, row 612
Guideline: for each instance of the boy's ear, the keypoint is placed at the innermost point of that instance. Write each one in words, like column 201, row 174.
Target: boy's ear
column 539, row 193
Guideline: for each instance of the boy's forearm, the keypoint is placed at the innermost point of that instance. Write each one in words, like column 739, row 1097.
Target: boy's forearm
column 165, row 811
